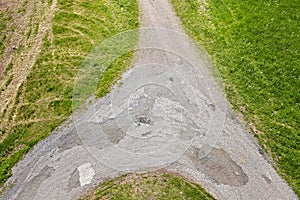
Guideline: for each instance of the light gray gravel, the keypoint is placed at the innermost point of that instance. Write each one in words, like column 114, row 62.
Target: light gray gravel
column 168, row 114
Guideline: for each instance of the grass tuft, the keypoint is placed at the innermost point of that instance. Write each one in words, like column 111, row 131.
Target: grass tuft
column 152, row 186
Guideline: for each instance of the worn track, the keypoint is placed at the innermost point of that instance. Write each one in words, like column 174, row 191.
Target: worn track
column 168, row 114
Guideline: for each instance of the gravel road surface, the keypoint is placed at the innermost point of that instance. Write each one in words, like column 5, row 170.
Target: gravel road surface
column 168, row 114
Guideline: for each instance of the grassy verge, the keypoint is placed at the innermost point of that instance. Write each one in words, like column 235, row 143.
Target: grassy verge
column 148, row 186
column 256, row 47
column 113, row 73
column 44, row 100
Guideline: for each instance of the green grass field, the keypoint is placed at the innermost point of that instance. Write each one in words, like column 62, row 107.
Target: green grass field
column 44, row 100
column 256, row 47
column 254, row 44
column 154, row 186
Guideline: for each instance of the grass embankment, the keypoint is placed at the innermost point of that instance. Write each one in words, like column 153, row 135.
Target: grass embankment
column 44, row 100
column 256, row 47
column 152, row 186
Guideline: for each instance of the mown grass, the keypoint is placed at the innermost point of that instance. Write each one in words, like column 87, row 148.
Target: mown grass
column 45, row 100
column 256, row 47
column 154, row 186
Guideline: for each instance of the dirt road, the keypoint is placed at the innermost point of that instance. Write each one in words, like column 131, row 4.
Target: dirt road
column 168, row 114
